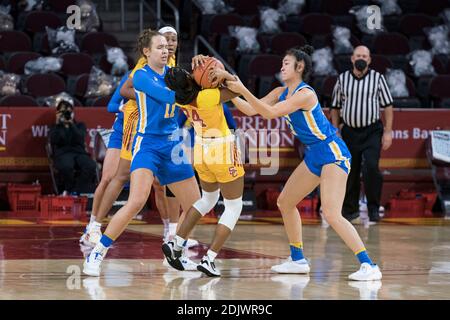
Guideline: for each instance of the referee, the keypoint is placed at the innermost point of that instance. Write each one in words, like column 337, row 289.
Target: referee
column 357, row 98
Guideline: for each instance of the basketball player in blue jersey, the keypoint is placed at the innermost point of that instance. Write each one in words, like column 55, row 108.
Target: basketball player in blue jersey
column 152, row 148
column 327, row 161
column 93, row 233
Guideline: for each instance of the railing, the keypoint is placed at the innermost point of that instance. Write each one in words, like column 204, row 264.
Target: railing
column 176, row 13
column 159, row 21
column 212, row 51
column 122, row 14
column 145, row 4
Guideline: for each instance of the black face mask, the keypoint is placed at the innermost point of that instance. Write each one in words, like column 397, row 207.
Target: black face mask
column 360, row 64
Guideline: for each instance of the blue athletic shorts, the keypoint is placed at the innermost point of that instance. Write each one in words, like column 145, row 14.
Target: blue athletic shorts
column 161, row 155
column 332, row 150
column 115, row 140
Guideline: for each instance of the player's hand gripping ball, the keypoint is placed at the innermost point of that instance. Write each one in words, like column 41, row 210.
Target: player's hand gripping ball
column 201, row 73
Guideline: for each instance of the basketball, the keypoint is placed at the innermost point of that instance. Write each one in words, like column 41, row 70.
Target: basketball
column 201, row 73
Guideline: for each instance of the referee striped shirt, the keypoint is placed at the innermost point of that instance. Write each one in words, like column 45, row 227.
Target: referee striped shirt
column 360, row 99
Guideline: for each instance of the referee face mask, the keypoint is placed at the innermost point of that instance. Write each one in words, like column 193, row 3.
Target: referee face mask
column 360, row 64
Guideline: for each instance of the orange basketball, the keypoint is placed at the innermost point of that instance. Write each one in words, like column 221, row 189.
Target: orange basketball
column 201, row 73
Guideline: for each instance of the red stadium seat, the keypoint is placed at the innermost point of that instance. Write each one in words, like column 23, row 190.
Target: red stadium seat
column 247, row 7
column 219, row 23
column 76, row 63
column 391, row 44
column 251, row 67
column 327, row 90
column 77, row 86
column 98, row 102
column 44, row 85
column 336, row 7
column 95, row 42
column 18, row 101
column 439, row 90
column 40, row 43
column 281, row 42
column 12, row 40
column 214, row 26
column 328, row 86
column 36, row 21
column 433, row 7
column 313, row 24
column 380, row 63
column 60, row 5
column 413, row 24
column 18, row 60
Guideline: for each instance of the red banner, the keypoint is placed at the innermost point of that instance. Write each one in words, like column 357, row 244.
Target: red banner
column 24, row 134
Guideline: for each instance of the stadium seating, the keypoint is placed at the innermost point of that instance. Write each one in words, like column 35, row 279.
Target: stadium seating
column 77, row 86
column 18, row 101
column 14, row 40
column 281, row 42
column 410, row 101
column 17, row 61
column 60, row 6
column 75, row 64
column 95, row 42
column 36, row 21
column 439, row 91
column 2, row 63
column 44, row 85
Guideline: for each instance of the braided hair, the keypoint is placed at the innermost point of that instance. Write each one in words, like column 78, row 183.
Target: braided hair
column 303, row 54
column 184, row 85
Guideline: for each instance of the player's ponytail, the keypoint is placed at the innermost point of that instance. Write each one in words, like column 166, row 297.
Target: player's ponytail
column 145, row 40
column 303, row 54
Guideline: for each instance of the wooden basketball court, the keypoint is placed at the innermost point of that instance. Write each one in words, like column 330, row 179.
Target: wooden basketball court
column 44, row 261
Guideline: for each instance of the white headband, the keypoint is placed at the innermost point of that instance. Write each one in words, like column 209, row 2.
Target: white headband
column 167, row 29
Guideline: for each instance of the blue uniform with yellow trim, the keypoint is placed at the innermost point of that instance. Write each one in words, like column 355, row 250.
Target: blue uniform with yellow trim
column 114, row 105
column 313, row 129
column 154, row 146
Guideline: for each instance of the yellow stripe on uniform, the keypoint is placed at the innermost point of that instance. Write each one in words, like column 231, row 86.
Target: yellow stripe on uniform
column 359, row 251
column 336, row 150
column 137, row 147
column 311, row 122
column 347, row 164
column 142, row 104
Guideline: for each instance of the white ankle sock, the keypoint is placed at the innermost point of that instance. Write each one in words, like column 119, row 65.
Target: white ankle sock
column 179, row 242
column 173, row 228
column 211, row 255
column 166, row 226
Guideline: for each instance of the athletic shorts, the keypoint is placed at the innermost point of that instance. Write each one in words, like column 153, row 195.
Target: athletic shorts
column 217, row 159
column 332, row 150
column 163, row 156
column 115, row 140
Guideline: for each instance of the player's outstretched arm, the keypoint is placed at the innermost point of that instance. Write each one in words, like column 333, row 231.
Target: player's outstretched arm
column 244, row 107
column 305, row 98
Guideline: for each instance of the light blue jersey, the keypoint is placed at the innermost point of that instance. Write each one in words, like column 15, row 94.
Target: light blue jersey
column 313, row 129
column 153, row 146
column 309, row 126
column 156, row 103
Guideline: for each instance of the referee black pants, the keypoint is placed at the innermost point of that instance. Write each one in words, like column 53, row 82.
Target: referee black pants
column 365, row 147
